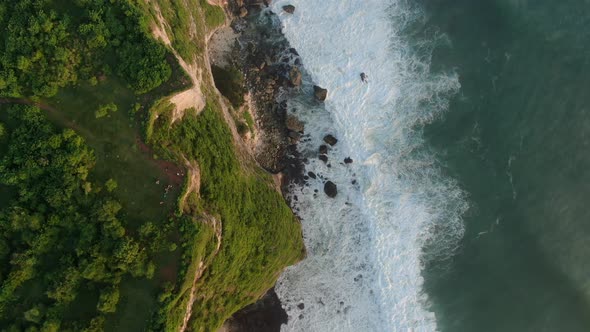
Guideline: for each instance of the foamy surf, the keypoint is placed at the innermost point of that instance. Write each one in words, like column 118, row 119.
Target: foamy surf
column 365, row 247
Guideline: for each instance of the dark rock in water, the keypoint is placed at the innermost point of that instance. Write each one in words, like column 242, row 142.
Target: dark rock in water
column 330, row 189
column 323, row 149
column 330, row 140
column 295, row 76
column 301, row 306
column 353, row 182
column 312, row 175
column 348, row 160
column 320, row 93
column 364, row 77
column 293, row 51
column 289, row 9
column 323, row 158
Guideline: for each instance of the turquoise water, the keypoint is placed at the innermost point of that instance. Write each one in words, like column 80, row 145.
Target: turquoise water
column 516, row 138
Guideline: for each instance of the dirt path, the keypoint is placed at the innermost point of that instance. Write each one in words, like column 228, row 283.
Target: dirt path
column 194, row 180
column 217, row 227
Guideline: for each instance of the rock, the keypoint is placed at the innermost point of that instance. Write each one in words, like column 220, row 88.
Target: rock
column 294, row 124
column 364, row 77
column 320, row 93
column 289, row 9
column 348, row 160
column 294, row 135
column 323, row 149
column 323, row 158
column 243, row 12
column 330, row 189
column 301, row 306
column 330, row 140
column 312, row 175
column 295, row 76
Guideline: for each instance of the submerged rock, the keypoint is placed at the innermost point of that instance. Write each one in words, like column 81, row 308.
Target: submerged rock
column 330, row 189
column 294, row 124
column 348, row 160
column 295, row 76
column 289, row 9
column 330, row 140
column 320, row 93
column 323, row 149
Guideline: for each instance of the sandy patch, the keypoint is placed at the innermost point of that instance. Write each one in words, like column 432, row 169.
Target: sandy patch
column 220, row 46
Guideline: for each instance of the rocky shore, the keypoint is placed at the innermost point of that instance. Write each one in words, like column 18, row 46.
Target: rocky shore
column 254, row 44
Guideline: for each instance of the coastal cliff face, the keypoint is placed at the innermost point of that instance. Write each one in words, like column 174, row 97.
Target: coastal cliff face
column 259, row 137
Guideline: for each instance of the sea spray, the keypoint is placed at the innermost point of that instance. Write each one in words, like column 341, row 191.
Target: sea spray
column 366, row 245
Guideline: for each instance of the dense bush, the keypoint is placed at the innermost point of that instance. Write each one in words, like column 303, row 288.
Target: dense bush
column 45, row 46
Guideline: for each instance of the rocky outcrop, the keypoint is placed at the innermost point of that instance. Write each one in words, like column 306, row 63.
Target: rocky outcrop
column 266, row 315
column 320, row 93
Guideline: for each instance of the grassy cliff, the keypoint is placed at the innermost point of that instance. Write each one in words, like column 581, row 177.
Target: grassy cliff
column 119, row 210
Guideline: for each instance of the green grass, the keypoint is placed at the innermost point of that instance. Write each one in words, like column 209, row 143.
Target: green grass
column 114, row 139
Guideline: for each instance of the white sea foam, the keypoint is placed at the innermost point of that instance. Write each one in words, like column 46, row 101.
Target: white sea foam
column 365, row 247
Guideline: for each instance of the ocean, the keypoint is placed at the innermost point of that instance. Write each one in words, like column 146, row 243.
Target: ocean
column 464, row 206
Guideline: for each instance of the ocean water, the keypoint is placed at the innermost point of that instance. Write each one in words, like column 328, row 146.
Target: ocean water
column 465, row 206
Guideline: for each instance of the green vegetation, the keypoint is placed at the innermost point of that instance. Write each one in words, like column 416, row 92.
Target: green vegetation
column 89, row 240
column 62, row 249
column 230, row 83
column 258, row 240
column 48, row 45
column 104, row 110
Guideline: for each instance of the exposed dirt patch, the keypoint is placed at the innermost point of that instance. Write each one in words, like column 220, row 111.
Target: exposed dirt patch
column 193, row 180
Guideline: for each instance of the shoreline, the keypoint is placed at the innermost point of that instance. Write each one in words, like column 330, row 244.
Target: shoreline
column 271, row 69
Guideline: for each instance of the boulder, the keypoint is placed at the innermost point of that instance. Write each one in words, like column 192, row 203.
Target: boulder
column 295, row 76
column 323, row 149
column 294, row 124
column 330, row 140
column 323, row 158
column 320, row 93
column 312, row 175
column 243, row 12
column 289, row 9
column 330, row 189
column 348, row 160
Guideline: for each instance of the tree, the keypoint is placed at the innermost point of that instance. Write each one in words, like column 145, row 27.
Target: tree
column 111, row 185
column 104, row 110
column 109, row 297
